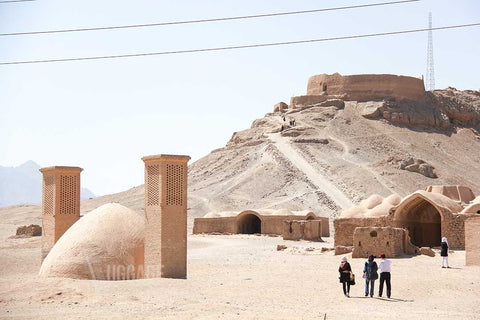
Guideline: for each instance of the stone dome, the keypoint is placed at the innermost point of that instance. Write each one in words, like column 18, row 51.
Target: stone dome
column 105, row 244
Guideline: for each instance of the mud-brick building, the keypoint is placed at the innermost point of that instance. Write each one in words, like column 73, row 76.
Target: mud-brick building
column 428, row 215
column 360, row 87
column 264, row 221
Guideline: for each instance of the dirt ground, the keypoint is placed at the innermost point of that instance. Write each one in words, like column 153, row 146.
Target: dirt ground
column 240, row 277
column 330, row 155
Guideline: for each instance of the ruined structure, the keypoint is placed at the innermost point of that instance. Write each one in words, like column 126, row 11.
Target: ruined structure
column 302, row 229
column 393, row 242
column 166, row 216
column 362, row 87
column 60, row 203
column 265, row 221
column 428, row 215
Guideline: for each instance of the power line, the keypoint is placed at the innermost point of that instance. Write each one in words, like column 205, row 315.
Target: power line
column 9, row 1
column 238, row 47
column 202, row 20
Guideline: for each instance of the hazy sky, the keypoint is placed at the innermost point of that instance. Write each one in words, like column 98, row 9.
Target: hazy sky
column 105, row 115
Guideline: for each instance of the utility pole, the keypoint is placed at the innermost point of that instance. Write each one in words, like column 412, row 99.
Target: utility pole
column 430, row 76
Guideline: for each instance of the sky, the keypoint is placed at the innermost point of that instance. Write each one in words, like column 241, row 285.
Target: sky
column 105, row 115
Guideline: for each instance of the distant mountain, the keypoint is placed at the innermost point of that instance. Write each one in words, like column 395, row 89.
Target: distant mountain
column 23, row 185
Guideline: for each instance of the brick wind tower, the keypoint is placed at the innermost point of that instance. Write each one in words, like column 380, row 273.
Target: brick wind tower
column 166, row 216
column 60, row 203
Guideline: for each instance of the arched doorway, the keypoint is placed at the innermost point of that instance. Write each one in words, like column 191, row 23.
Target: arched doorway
column 249, row 224
column 423, row 222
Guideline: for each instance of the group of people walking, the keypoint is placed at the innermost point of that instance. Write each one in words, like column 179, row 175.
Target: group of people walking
column 371, row 272
column 291, row 122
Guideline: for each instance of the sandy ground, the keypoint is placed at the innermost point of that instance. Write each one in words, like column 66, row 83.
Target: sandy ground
column 245, row 277
column 240, row 277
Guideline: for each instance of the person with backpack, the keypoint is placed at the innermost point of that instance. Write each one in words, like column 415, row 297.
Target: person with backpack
column 370, row 274
column 345, row 270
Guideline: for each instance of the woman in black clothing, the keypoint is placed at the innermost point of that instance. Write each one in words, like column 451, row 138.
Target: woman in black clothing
column 345, row 271
column 444, row 252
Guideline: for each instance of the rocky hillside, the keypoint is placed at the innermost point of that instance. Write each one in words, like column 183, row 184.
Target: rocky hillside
column 337, row 153
column 341, row 152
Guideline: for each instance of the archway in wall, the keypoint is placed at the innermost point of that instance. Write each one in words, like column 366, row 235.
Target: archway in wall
column 249, row 224
column 423, row 221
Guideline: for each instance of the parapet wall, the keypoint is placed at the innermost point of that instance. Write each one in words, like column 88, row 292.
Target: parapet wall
column 367, row 87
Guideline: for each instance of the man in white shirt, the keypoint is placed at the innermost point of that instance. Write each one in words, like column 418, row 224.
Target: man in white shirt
column 384, row 267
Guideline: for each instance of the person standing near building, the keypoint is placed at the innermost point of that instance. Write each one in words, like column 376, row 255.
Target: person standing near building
column 345, row 269
column 370, row 274
column 385, row 268
column 444, row 252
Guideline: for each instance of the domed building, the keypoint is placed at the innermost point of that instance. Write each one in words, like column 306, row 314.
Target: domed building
column 105, row 244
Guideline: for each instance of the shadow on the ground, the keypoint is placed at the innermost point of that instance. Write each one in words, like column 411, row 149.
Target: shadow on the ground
column 383, row 299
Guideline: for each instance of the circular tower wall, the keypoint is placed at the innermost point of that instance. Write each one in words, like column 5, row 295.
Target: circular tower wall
column 366, row 87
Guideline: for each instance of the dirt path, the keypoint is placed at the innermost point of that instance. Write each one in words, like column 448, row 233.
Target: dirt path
column 316, row 177
column 348, row 157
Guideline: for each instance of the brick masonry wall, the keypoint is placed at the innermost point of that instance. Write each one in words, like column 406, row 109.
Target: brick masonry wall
column 472, row 241
column 375, row 240
column 345, row 228
column 366, row 87
column 227, row 225
column 453, row 227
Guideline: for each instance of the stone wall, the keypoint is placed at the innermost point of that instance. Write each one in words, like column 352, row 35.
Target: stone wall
column 366, row 87
column 393, row 242
column 472, row 241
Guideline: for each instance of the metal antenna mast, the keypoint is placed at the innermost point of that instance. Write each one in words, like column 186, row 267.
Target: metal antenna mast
column 430, row 76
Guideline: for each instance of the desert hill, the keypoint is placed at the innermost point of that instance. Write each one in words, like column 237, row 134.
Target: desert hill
column 338, row 153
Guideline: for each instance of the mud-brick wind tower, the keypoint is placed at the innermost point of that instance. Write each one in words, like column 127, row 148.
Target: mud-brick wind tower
column 166, row 216
column 60, row 203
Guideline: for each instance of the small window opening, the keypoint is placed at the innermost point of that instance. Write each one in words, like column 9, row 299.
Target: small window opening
column 325, row 87
column 373, row 234
column 359, row 243
column 388, row 244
